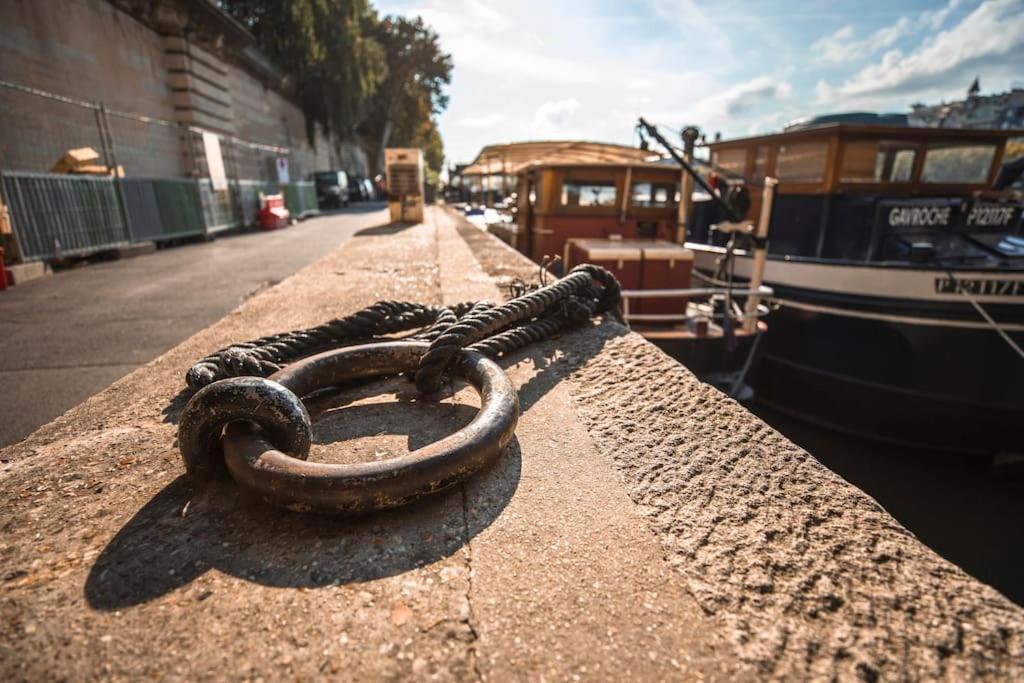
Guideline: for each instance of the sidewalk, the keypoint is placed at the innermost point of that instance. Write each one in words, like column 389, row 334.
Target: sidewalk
column 69, row 336
column 641, row 525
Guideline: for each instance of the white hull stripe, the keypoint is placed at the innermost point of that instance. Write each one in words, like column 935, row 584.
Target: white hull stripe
column 909, row 320
column 870, row 281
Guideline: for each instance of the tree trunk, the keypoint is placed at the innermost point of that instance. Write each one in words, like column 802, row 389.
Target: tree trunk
column 385, row 135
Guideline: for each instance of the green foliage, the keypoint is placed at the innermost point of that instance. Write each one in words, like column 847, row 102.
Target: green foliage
column 383, row 79
column 321, row 45
column 413, row 93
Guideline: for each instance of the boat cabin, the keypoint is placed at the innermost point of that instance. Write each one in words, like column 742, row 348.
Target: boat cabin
column 869, row 193
column 621, row 201
column 622, row 216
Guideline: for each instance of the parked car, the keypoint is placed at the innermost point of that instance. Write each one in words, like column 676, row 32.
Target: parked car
column 356, row 191
column 332, row 189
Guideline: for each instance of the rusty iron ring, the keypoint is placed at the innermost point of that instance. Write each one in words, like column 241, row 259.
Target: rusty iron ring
column 257, row 464
column 263, row 401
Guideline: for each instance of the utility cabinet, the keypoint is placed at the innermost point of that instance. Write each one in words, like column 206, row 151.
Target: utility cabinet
column 404, row 173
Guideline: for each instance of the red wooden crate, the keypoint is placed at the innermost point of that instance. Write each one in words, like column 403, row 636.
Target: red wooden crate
column 665, row 266
column 622, row 258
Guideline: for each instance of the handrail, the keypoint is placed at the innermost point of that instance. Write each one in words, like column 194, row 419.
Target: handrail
column 694, row 291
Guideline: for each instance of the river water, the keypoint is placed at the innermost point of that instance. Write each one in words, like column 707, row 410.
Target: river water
column 957, row 505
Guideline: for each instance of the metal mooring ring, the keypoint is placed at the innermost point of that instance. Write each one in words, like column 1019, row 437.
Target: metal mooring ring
column 263, row 401
column 256, row 463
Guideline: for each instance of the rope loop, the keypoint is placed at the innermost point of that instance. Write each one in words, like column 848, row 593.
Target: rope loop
column 567, row 296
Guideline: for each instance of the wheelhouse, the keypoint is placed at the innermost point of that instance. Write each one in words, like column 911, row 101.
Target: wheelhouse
column 866, row 193
column 627, row 201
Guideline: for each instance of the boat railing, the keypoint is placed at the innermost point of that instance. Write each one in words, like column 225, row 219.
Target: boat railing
column 761, row 292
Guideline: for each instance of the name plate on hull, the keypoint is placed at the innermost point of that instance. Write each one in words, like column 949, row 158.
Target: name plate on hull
column 979, row 286
column 912, row 215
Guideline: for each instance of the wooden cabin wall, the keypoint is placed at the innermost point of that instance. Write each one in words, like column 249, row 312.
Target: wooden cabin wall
column 551, row 223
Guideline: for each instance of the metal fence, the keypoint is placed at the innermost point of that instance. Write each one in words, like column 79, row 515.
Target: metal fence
column 39, row 126
column 218, row 207
column 63, row 215
column 162, row 209
column 58, row 215
column 55, row 215
column 300, row 198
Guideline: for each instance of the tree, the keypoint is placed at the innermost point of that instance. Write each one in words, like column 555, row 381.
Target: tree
column 413, row 92
column 356, row 74
column 321, row 45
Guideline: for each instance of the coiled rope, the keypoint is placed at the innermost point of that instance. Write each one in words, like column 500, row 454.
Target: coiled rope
column 215, row 428
column 493, row 330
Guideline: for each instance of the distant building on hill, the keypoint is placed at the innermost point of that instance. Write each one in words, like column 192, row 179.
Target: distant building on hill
column 1004, row 110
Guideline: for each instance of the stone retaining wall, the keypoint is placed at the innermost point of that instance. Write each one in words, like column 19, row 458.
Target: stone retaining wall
column 640, row 526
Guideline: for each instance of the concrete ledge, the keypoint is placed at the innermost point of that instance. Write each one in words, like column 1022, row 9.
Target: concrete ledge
column 20, row 273
column 641, row 525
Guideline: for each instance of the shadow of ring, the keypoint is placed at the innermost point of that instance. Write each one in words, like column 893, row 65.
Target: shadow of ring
column 363, row 487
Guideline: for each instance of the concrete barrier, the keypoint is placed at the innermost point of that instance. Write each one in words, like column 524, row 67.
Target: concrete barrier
column 641, row 525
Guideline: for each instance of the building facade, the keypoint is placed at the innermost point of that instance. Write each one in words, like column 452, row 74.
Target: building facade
column 140, row 82
column 1003, row 110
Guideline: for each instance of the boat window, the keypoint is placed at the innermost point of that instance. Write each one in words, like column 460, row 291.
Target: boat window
column 653, row 195
column 588, row 193
column 1014, row 150
column 877, row 161
column 760, row 163
column 802, row 161
column 732, row 161
column 957, row 163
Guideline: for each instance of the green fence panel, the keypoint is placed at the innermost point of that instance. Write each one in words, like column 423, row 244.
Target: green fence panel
column 181, row 211
column 300, row 198
column 56, row 215
column 219, row 212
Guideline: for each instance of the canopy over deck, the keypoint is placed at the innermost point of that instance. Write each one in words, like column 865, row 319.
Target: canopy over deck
column 511, row 158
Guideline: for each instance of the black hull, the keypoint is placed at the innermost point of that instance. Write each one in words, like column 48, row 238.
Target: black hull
column 707, row 356
column 933, row 386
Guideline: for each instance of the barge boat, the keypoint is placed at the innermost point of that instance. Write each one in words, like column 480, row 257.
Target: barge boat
column 896, row 255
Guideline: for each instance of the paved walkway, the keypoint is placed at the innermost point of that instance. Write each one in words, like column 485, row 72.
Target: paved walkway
column 66, row 337
column 640, row 526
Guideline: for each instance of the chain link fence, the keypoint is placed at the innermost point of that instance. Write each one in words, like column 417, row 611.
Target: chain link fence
column 165, row 191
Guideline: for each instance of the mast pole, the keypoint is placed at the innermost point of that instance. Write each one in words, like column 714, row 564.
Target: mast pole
column 760, row 254
column 689, row 136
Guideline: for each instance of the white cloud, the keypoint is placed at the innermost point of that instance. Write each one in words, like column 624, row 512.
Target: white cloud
column 477, row 35
column 554, row 115
column 694, row 24
column 740, row 99
column 483, row 121
column 463, row 15
column 934, row 19
column 843, row 46
column 990, row 39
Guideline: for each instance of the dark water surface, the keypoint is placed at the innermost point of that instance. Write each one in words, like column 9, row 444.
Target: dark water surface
column 957, row 505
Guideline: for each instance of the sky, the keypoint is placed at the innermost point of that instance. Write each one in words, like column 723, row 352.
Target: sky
column 570, row 69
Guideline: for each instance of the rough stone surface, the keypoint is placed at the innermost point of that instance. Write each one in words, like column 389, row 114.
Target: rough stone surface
column 813, row 577
column 113, row 565
column 640, row 526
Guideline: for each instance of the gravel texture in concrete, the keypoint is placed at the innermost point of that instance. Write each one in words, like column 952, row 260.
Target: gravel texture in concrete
column 640, row 526
column 114, row 565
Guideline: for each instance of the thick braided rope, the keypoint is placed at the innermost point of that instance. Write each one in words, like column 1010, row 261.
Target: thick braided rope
column 479, row 324
column 576, row 311
column 490, row 329
column 265, row 356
